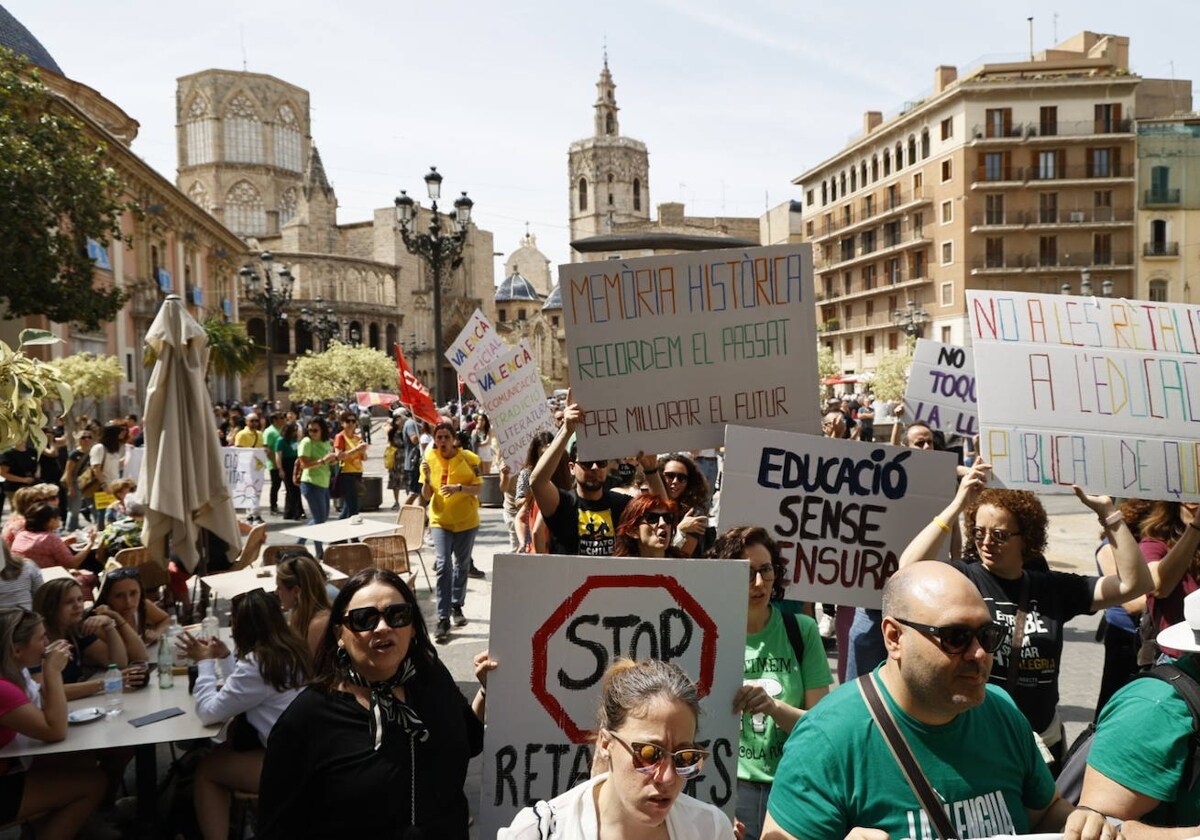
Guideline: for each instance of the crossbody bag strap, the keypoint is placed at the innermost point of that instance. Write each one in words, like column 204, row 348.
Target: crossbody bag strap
column 913, row 773
column 1018, row 635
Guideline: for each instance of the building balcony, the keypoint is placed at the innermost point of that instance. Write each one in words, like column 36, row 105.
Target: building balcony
column 1160, row 249
column 1042, row 263
column 860, row 219
column 882, row 250
column 1071, row 130
column 999, row 177
column 858, row 324
column 898, row 281
column 1160, row 198
column 1097, row 217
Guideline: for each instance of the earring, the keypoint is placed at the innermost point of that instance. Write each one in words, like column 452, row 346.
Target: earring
column 342, row 655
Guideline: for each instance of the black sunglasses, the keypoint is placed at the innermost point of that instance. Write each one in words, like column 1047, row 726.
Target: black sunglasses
column 367, row 618
column 957, row 638
column 123, row 573
column 592, row 465
column 653, row 517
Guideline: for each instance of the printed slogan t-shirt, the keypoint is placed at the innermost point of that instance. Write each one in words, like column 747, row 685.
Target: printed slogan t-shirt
column 1054, row 599
column 586, row 528
column 771, row 660
column 837, row 771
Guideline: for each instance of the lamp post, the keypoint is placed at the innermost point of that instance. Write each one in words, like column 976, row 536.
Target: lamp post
column 271, row 290
column 438, row 248
column 1085, row 285
column 911, row 319
column 322, row 322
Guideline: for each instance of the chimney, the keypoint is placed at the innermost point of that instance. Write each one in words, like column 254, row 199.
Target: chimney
column 943, row 76
column 871, row 121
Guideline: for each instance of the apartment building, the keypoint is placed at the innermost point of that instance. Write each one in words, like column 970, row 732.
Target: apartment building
column 1168, row 218
column 1016, row 175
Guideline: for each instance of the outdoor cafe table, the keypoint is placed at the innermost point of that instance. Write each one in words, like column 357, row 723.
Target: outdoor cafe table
column 338, row 530
column 227, row 585
column 116, row 731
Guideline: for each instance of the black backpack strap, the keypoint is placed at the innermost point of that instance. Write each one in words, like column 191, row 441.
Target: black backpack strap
column 792, row 625
column 1189, row 690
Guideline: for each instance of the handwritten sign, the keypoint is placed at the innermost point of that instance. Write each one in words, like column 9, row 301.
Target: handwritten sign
column 477, row 346
column 664, row 351
column 244, row 466
column 941, row 388
column 559, row 622
column 842, row 511
column 1100, row 392
column 511, row 392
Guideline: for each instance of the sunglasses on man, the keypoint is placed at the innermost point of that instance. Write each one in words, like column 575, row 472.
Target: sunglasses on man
column 956, row 638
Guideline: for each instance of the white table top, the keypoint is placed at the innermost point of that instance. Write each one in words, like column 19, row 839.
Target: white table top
column 336, row 530
column 228, row 585
column 116, row 731
column 52, row 572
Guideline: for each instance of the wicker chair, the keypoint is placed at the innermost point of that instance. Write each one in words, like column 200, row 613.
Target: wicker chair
column 348, row 558
column 131, row 556
column 412, row 523
column 270, row 555
column 390, row 552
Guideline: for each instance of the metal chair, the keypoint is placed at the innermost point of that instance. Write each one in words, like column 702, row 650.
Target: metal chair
column 270, row 555
column 348, row 558
column 412, row 522
column 390, row 552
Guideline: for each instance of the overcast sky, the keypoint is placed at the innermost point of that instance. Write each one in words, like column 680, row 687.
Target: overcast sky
column 733, row 99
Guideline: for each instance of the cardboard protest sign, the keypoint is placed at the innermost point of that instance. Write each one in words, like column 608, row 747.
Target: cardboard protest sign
column 1099, row 392
column 510, row 390
column 477, row 346
column 664, row 351
column 842, row 511
column 244, row 472
column 559, row 622
column 941, row 388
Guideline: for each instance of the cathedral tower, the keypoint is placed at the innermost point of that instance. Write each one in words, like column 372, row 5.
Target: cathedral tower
column 609, row 174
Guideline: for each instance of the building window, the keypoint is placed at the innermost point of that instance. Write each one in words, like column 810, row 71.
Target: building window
column 610, row 125
column 869, row 345
column 1102, row 252
column 1102, row 163
column 868, row 208
column 1047, row 251
column 918, row 223
column 847, row 283
column 848, row 248
column 893, row 196
column 637, row 194
column 843, row 183
column 917, row 261
column 809, row 229
column 868, row 276
column 503, row 313
column 1048, row 165
column 1158, row 291
column 1048, row 121
column 862, row 169
column 995, row 167
column 994, row 252
column 1158, row 238
column 891, row 234
column 243, row 132
column 808, row 198
column 947, row 128
column 900, row 156
column 870, row 310
column 947, row 294
column 853, row 179
column 947, row 212
column 824, row 193
column 868, row 241
column 947, row 170
column 244, row 211
column 199, row 132
column 287, row 206
column 1108, row 118
column 998, row 122
column 946, row 335
column 947, row 253
column 848, row 313
column 1103, row 205
column 887, row 163
column 924, row 143
column 554, row 321
column 848, row 347
column 1048, row 208
column 833, row 193
column 874, row 169
column 912, row 150
column 287, row 139
column 610, row 190
column 520, row 314
column 993, row 213
column 892, row 270
column 1160, row 180
column 583, row 193
column 893, row 341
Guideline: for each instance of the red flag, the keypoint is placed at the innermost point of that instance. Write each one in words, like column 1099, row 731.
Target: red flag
column 414, row 394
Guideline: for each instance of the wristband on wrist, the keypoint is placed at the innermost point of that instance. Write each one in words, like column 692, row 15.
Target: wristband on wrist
column 937, row 520
column 482, row 691
column 1113, row 519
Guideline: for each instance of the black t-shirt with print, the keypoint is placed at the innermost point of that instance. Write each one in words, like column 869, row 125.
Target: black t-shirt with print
column 583, row 527
column 1054, row 599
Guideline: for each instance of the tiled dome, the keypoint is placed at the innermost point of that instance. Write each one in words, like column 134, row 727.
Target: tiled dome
column 20, row 40
column 554, row 301
column 516, row 287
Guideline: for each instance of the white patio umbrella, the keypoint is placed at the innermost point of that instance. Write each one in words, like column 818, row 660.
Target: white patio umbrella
column 182, row 480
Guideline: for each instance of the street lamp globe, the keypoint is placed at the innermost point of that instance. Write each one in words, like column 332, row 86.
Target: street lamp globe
column 406, row 209
column 433, row 183
column 462, row 210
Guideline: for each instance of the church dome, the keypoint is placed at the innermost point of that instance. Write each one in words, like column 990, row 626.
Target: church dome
column 516, row 287
column 20, row 40
column 554, row 301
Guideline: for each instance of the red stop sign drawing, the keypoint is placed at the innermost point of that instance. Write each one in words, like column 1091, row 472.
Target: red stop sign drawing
column 541, row 639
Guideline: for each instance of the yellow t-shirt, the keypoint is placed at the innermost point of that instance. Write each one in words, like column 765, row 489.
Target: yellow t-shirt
column 248, row 437
column 460, row 511
column 344, row 443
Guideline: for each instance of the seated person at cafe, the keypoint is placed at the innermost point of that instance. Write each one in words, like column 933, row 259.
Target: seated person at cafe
column 40, row 542
column 266, row 671
column 19, row 579
column 123, row 532
column 23, row 499
column 56, row 801
column 94, row 642
column 120, row 489
column 122, row 593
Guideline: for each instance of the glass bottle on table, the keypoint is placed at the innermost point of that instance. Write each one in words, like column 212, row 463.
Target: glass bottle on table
column 114, row 684
column 166, row 659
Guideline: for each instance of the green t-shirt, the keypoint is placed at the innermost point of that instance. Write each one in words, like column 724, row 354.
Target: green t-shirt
column 315, row 450
column 1144, row 742
column 771, row 660
column 270, row 436
column 837, row 771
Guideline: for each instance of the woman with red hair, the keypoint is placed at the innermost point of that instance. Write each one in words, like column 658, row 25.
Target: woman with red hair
column 647, row 528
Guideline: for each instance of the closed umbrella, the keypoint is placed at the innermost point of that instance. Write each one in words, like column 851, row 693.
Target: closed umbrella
column 182, row 479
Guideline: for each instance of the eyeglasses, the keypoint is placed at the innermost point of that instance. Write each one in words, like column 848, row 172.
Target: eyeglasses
column 999, row 535
column 681, row 477
column 653, row 517
column 957, row 638
column 765, row 572
column 592, row 465
column 123, row 574
column 647, row 757
column 367, row 618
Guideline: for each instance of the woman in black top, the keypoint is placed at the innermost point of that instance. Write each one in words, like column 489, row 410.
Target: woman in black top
column 380, row 741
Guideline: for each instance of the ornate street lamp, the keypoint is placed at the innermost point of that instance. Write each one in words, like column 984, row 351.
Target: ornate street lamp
column 271, row 290
column 322, row 322
column 439, row 249
column 910, row 319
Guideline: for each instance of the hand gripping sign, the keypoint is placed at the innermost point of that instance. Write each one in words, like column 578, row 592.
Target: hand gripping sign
column 559, row 622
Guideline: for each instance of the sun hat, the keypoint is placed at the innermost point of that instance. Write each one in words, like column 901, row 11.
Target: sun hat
column 1184, row 635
